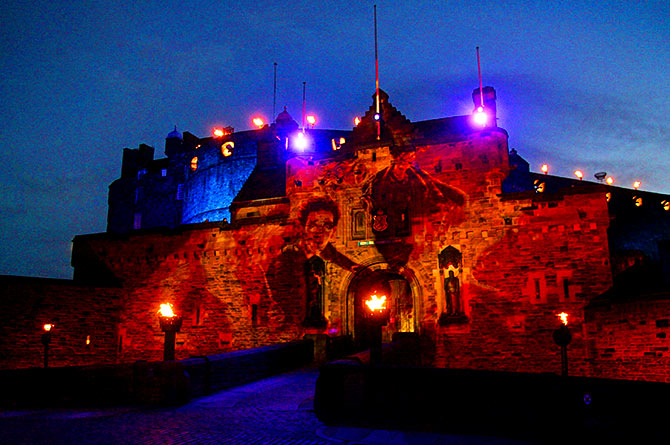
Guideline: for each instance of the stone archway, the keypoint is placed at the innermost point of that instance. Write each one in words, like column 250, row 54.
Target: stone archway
column 401, row 302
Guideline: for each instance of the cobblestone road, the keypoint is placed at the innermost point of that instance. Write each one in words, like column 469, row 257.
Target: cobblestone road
column 277, row 410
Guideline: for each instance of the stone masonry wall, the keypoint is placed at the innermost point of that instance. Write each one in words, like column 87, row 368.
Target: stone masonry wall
column 630, row 340
column 79, row 313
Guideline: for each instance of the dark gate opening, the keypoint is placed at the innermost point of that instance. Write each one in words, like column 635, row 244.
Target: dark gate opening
column 399, row 304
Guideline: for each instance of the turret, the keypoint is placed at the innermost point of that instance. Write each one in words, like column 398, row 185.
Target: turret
column 134, row 159
column 489, row 98
column 173, row 143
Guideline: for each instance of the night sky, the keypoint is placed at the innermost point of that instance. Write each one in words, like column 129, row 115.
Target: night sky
column 580, row 85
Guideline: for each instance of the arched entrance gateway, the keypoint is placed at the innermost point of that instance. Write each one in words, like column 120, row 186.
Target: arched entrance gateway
column 402, row 302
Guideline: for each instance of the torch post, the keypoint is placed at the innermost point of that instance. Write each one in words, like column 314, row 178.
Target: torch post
column 377, row 317
column 46, row 341
column 563, row 337
column 170, row 324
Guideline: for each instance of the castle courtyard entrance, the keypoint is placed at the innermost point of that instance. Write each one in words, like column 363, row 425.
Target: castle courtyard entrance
column 399, row 302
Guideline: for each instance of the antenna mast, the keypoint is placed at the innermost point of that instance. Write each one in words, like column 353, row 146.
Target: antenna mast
column 377, row 116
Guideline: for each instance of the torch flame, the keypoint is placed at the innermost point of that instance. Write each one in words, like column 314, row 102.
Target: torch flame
column 166, row 310
column 48, row 326
column 376, row 303
column 564, row 318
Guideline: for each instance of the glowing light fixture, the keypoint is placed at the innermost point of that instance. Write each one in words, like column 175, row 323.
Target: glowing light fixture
column 539, row 186
column 608, row 196
column 300, row 141
column 545, row 168
column 609, row 180
column 480, row 116
column 666, row 205
column 170, row 323
column 227, row 148
column 579, row 174
column 218, row 132
column 376, row 303
column 166, row 310
column 637, row 200
column 357, row 120
column 258, row 122
column 194, row 163
column 564, row 318
column 46, row 340
column 337, row 144
column 311, row 120
column 377, row 116
column 636, row 185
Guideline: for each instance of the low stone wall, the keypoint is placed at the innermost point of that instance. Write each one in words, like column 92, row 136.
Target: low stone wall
column 520, row 405
column 171, row 382
column 217, row 372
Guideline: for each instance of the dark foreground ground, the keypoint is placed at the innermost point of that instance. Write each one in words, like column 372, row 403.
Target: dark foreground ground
column 276, row 410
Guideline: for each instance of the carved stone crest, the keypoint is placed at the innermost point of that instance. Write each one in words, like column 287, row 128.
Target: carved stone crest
column 380, row 220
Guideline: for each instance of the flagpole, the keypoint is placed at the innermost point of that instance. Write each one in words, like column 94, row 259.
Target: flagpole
column 377, row 79
column 481, row 91
column 274, row 96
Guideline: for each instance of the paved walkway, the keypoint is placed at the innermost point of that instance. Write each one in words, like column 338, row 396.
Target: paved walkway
column 277, row 410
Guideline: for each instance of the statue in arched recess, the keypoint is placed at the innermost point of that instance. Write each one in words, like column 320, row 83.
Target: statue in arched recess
column 450, row 263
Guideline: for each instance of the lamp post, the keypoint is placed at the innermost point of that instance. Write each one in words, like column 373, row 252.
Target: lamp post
column 563, row 337
column 170, row 324
column 377, row 317
column 46, row 340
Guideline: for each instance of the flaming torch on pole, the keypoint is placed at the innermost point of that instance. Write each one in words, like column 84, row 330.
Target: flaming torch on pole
column 170, row 324
column 563, row 337
column 46, row 341
column 378, row 317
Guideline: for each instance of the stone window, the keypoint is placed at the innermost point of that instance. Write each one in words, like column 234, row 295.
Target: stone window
column 137, row 221
column 358, row 224
column 164, row 172
column 180, row 192
column 566, row 288
column 536, row 289
column 402, row 226
column 194, row 163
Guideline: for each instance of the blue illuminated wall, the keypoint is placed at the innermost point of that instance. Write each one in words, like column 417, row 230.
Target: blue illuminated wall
column 213, row 185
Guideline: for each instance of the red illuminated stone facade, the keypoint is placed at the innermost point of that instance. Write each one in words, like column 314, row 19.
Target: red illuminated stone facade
column 422, row 216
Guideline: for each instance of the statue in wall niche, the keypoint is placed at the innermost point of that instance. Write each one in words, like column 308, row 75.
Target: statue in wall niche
column 452, row 294
column 450, row 260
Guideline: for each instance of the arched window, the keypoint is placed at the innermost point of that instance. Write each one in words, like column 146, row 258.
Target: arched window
column 194, row 163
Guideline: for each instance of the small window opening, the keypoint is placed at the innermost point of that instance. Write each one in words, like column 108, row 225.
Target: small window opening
column 137, row 221
column 254, row 313
column 566, row 288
